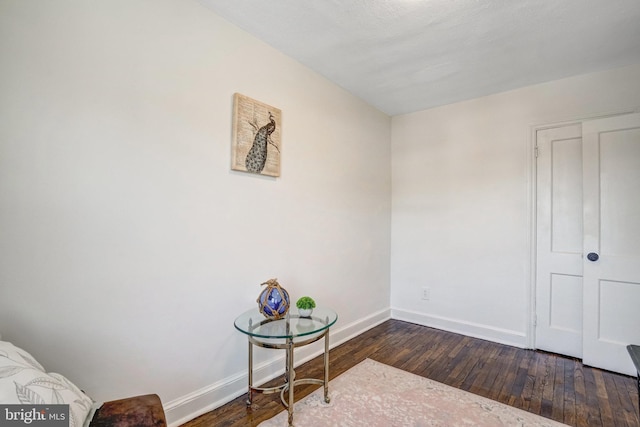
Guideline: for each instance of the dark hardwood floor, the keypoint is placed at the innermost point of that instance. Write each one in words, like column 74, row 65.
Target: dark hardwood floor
column 549, row 385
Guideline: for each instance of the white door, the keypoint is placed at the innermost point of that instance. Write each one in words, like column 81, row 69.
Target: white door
column 611, row 193
column 588, row 241
column 559, row 240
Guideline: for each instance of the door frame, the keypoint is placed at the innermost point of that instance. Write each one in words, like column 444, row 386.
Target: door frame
column 530, row 333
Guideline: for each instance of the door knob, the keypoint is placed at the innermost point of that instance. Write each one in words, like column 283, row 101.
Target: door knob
column 592, row 256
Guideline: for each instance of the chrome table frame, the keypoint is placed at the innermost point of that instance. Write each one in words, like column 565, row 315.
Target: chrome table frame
column 634, row 353
column 252, row 324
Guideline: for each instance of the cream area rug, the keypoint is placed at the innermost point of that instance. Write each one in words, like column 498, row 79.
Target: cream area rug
column 373, row 394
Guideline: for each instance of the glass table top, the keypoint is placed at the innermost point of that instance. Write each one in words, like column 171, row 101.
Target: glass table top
column 254, row 323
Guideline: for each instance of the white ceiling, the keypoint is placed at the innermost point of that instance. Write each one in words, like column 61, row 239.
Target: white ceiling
column 403, row 56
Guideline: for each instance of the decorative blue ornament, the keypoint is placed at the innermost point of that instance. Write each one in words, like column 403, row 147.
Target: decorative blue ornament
column 273, row 301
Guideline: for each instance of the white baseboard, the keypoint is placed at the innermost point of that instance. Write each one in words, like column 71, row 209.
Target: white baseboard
column 475, row 330
column 190, row 406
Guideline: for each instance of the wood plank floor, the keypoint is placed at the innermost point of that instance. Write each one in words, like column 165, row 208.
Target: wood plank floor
column 549, row 385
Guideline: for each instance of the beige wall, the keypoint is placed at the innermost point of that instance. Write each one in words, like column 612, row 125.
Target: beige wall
column 462, row 201
column 127, row 245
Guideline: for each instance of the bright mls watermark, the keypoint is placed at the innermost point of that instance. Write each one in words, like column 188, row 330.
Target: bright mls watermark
column 34, row 415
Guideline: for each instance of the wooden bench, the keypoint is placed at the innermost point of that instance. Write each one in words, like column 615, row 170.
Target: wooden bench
column 138, row 411
column 634, row 352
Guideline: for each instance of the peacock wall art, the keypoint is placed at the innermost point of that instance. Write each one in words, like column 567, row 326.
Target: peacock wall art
column 256, row 136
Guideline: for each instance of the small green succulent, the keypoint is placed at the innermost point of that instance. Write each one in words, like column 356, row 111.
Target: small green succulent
column 305, row 303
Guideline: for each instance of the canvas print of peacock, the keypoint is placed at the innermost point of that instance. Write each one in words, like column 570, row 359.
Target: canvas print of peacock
column 257, row 137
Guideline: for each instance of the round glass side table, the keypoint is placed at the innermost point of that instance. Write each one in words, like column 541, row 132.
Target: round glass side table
column 287, row 333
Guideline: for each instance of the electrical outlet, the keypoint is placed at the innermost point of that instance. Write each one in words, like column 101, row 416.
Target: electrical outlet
column 425, row 293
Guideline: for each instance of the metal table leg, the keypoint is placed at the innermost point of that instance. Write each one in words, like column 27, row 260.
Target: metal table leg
column 327, row 399
column 292, row 378
column 634, row 352
column 250, row 392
